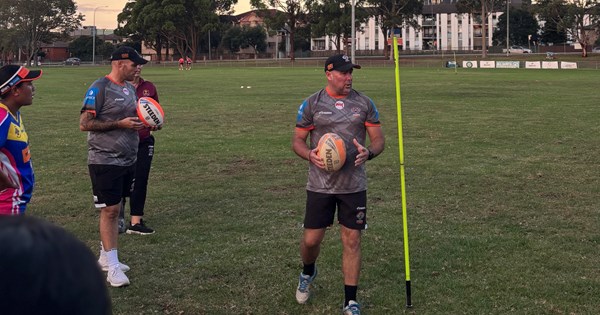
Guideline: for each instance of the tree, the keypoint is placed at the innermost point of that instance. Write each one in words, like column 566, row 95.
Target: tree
column 550, row 33
column 81, row 47
column 294, row 11
column 481, row 9
column 577, row 18
column 394, row 14
column 36, row 22
column 232, row 40
column 333, row 18
column 254, row 37
column 522, row 24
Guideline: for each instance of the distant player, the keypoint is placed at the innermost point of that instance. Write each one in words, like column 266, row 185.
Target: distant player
column 181, row 60
column 188, row 63
column 16, row 171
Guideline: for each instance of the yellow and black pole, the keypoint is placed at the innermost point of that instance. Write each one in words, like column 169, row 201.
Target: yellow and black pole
column 402, row 182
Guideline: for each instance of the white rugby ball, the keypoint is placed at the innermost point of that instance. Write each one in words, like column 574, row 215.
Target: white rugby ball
column 332, row 150
column 150, row 112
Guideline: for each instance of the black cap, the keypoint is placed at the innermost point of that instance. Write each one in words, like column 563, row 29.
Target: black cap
column 127, row 53
column 339, row 62
column 11, row 75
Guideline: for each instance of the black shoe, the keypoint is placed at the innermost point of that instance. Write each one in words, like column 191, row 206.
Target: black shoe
column 140, row 229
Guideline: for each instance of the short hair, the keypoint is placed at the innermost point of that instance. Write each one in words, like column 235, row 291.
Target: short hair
column 46, row 270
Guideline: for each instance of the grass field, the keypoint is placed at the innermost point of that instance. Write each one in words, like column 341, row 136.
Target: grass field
column 502, row 189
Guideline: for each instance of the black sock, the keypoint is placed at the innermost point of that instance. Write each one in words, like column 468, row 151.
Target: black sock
column 309, row 269
column 350, row 293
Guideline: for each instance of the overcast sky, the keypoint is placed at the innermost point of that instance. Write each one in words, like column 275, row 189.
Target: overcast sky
column 107, row 11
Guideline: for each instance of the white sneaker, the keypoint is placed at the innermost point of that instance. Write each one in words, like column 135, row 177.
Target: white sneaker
column 117, row 278
column 353, row 308
column 103, row 262
column 303, row 290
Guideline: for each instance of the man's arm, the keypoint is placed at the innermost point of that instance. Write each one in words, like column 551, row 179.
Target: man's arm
column 301, row 149
column 88, row 122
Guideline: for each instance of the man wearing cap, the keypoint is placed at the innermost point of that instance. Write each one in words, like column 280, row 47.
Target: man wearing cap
column 352, row 115
column 16, row 171
column 109, row 116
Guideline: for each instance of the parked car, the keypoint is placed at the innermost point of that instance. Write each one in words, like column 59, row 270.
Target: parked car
column 73, row 61
column 596, row 50
column 518, row 50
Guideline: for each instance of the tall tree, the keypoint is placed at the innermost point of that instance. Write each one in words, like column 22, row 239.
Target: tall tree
column 255, row 37
column 294, row 11
column 395, row 14
column 577, row 18
column 522, row 23
column 334, row 18
column 36, row 22
column 481, row 9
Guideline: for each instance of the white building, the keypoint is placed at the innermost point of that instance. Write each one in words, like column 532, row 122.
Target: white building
column 442, row 28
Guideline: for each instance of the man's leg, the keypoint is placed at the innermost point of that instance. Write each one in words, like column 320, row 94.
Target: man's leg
column 351, row 261
column 310, row 247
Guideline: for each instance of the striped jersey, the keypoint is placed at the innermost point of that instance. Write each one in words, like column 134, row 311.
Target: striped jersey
column 348, row 117
column 15, row 162
column 111, row 101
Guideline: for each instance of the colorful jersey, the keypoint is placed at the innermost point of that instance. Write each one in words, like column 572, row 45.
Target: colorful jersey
column 348, row 117
column 147, row 89
column 111, row 101
column 15, row 162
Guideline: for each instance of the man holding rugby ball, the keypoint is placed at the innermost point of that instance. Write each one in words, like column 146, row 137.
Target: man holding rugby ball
column 110, row 118
column 352, row 115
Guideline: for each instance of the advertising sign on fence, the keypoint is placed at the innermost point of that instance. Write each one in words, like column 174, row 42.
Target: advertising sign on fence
column 487, row 64
column 568, row 65
column 533, row 65
column 549, row 64
column 507, row 64
column 469, row 64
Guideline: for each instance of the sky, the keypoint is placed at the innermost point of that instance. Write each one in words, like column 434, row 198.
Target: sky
column 106, row 14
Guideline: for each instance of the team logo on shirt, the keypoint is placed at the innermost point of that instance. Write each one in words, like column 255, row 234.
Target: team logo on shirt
column 355, row 111
column 339, row 105
column 146, row 92
column 126, row 91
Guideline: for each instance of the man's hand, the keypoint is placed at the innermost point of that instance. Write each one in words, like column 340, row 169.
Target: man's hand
column 363, row 153
column 314, row 158
column 131, row 123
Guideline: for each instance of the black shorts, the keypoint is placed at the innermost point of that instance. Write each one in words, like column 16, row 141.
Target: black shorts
column 110, row 183
column 320, row 210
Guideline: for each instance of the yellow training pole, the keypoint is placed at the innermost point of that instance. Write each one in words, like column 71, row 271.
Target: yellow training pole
column 402, row 184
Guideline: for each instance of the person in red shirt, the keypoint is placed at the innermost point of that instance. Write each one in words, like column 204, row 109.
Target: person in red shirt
column 145, row 153
column 181, row 63
column 188, row 63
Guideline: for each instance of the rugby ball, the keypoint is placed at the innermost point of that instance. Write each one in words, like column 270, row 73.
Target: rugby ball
column 332, row 150
column 150, row 112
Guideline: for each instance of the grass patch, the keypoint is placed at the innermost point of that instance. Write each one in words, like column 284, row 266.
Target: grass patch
column 502, row 190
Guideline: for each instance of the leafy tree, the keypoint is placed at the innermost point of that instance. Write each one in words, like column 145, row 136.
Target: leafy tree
column 481, row 9
column 293, row 12
column 35, row 22
column 82, row 46
column 576, row 18
column 522, row 23
column 254, row 37
column 393, row 14
column 334, row 18
column 550, row 33
column 232, row 40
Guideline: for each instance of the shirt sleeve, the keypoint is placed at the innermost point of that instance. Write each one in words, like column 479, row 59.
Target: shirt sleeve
column 372, row 115
column 4, row 125
column 304, row 120
column 94, row 98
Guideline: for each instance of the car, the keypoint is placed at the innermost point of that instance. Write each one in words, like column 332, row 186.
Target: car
column 518, row 50
column 596, row 50
column 73, row 61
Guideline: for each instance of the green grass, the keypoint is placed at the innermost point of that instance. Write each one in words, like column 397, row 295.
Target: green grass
column 501, row 174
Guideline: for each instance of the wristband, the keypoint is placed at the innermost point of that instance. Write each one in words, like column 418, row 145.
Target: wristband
column 371, row 155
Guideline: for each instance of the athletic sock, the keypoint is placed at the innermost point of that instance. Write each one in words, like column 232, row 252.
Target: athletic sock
column 350, row 293
column 113, row 258
column 309, row 269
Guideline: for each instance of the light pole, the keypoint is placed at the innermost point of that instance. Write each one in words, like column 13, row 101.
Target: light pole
column 507, row 26
column 353, row 41
column 94, row 35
